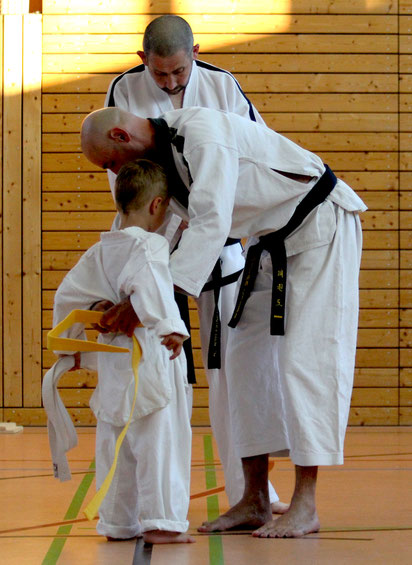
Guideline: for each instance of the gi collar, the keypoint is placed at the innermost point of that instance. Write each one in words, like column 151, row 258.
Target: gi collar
column 165, row 137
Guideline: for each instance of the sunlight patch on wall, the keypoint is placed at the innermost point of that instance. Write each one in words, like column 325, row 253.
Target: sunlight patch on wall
column 233, row 17
column 374, row 5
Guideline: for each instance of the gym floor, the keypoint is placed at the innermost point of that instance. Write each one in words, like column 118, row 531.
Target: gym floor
column 365, row 508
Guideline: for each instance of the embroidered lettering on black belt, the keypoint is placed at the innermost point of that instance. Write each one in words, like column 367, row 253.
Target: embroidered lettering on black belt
column 274, row 243
column 214, row 351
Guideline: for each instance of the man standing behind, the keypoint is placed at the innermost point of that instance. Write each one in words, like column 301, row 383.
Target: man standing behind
column 171, row 77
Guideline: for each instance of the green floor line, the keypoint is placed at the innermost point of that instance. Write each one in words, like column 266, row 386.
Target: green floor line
column 57, row 544
column 215, row 542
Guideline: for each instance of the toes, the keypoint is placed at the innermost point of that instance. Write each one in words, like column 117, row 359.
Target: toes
column 260, row 533
column 207, row 527
column 270, row 531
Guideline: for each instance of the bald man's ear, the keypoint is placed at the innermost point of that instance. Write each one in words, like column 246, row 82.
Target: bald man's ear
column 143, row 57
column 119, row 135
column 196, row 51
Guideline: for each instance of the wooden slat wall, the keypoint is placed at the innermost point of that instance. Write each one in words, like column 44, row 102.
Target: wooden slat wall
column 31, row 210
column 405, row 204
column 333, row 75
column 21, row 198
column 1, row 222
column 12, row 201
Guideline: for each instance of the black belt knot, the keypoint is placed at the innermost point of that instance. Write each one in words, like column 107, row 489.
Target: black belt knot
column 274, row 243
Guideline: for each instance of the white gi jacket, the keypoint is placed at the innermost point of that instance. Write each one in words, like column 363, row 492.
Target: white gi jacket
column 136, row 92
column 229, row 166
column 135, row 263
column 211, row 87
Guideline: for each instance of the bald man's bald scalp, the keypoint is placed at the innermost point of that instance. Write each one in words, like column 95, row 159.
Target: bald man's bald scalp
column 96, row 127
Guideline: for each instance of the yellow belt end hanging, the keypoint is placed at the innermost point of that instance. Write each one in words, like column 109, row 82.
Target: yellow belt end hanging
column 92, row 508
column 55, row 342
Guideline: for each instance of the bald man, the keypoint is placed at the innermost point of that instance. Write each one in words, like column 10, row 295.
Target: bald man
column 290, row 354
column 172, row 77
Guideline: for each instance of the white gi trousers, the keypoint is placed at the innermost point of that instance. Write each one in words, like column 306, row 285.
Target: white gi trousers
column 293, row 391
column 231, row 261
column 151, row 486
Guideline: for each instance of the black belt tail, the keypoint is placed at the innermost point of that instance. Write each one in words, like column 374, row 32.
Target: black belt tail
column 274, row 243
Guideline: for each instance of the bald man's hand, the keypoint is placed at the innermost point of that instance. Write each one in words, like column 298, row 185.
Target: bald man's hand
column 101, row 306
column 120, row 318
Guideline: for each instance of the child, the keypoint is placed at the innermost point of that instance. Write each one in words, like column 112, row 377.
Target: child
column 149, row 493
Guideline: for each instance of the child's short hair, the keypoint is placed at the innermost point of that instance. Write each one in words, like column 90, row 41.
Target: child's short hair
column 138, row 182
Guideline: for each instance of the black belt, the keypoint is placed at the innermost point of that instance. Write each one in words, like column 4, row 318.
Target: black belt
column 181, row 301
column 274, row 243
column 214, row 351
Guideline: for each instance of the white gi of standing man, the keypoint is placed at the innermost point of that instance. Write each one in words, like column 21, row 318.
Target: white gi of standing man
column 290, row 359
column 172, row 77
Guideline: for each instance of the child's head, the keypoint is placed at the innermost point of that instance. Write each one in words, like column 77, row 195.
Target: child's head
column 141, row 192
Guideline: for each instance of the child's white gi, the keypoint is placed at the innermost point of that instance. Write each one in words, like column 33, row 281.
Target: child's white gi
column 290, row 392
column 211, row 87
column 150, row 489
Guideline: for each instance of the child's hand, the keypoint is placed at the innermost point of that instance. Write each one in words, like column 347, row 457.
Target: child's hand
column 173, row 342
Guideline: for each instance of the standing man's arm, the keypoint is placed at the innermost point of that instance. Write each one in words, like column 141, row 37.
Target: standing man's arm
column 211, row 202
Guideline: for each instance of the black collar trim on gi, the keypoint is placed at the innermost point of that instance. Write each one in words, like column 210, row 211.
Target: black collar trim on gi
column 210, row 67
column 164, row 138
column 137, row 69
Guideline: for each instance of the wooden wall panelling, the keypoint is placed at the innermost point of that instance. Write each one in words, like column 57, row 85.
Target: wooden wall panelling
column 405, row 239
column 79, row 201
column 14, row 6
column 224, row 43
column 31, row 208
column 219, row 6
column 215, row 23
column 38, row 417
column 1, row 220
column 12, row 207
column 262, row 62
column 343, row 105
column 74, row 181
column 264, row 82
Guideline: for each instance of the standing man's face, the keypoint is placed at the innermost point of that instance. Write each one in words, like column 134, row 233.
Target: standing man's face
column 171, row 74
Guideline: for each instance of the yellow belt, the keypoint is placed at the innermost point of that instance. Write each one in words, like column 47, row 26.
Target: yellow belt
column 55, row 342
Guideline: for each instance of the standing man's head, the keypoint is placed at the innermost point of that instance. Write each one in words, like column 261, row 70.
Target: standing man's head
column 111, row 137
column 168, row 52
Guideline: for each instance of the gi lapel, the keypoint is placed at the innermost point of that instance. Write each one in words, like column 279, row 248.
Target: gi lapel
column 165, row 137
column 157, row 98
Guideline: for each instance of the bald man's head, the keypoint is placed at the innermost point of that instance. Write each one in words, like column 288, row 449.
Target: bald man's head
column 111, row 137
column 95, row 133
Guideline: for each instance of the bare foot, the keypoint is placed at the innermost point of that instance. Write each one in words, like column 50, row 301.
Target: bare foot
column 279, row 507
column 245, row 513
column 294, row 524
column 164, row 536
